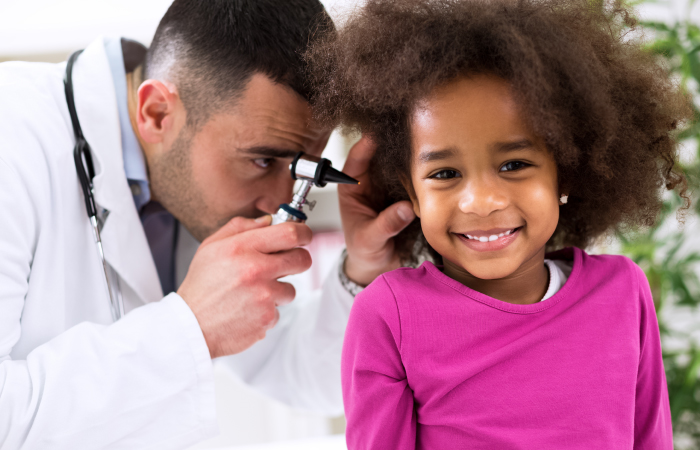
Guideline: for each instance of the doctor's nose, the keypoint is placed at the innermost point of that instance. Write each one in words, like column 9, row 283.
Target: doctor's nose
column 482, row 197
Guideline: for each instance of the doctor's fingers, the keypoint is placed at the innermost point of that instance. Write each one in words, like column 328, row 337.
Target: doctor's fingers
column 279, row 238
column 272, row 324
column 283, row 293
column 357, row 162
column 279, row 294
column 238, row 225
column 261, row 269
column 282, row 264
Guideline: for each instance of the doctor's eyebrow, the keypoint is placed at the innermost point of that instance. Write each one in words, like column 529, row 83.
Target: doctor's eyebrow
column 269, row 152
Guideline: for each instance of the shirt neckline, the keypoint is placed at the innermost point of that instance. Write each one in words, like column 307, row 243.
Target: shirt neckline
column 557, row 278
column 569, row 253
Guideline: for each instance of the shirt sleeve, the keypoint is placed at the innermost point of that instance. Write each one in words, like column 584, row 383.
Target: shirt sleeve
column 145, row 381
column 298, row 361
column 379, row 404
column 652, row 417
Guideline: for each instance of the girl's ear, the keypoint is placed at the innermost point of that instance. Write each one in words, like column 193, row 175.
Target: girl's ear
column 564, row 190
column 411, row 194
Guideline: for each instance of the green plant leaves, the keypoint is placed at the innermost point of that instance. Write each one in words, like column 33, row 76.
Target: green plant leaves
column 662, row 251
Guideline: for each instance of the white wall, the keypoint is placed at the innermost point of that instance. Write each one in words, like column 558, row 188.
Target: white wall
column 31, row 29
column 35, row 28
column 667, row 10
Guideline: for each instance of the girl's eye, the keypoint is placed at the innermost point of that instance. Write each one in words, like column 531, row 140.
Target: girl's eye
column 445, row 174
column 513, row 165
column 263, row 163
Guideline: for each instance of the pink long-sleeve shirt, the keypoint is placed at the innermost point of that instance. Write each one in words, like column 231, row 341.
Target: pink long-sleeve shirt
column 430, row 364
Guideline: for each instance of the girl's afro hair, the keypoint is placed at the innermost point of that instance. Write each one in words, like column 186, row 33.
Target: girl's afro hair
column 603, row 105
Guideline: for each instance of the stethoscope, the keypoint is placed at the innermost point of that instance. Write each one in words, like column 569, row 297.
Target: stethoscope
column 82, row 154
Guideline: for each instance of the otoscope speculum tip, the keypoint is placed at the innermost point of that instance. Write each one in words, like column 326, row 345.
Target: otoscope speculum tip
column 317, row 170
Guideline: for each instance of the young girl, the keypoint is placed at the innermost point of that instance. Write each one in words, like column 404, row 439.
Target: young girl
column 513, row 128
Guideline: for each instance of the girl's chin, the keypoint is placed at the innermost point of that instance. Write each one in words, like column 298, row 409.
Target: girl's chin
column 494, row 269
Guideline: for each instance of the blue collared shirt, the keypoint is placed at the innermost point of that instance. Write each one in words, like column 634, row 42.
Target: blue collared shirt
column 134, row 160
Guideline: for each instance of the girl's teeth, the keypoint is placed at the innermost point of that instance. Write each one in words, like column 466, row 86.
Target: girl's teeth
column 491, row 238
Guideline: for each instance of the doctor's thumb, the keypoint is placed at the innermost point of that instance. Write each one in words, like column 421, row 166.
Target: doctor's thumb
column 395, row 218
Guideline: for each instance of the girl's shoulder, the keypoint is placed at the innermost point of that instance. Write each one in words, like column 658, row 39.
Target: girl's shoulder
column 391, row 283
column 604, row 265
column 414, row 280
column 389, row 290
column 593, row 264
column 593, row 273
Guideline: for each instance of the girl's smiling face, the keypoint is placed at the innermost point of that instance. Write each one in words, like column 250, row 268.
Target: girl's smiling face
column 484, row 186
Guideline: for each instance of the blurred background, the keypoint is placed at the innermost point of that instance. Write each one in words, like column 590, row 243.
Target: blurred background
column 49, row 30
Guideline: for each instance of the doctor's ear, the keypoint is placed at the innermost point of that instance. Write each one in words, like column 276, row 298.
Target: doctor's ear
column 159, row 111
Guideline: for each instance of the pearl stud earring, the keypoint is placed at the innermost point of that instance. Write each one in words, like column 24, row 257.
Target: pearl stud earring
column 563, row 199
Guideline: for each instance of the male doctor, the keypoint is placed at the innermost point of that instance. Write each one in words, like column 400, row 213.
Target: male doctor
column 193, row 136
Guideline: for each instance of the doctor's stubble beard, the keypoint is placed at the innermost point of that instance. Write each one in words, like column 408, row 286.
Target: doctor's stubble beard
column 172, row 182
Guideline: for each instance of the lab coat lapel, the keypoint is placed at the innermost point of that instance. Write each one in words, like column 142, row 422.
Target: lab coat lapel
column 125, row 246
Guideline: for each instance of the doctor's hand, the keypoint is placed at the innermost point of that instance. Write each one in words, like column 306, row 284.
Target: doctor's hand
column 368, row 234
column 232, row 286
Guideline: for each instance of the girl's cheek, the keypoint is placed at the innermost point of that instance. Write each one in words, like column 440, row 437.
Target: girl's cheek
column 436, row 210
column 437, row 213
column 541, row 207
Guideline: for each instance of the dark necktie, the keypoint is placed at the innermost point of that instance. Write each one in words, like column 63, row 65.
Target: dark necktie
column 161, row 232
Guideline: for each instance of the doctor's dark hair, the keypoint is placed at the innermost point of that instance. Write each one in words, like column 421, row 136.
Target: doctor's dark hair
column 604, row 107
column 210, row 49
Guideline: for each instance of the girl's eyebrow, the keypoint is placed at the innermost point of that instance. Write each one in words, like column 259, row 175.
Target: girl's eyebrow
column 505, row 147
column 501, row 147
column 436, row 155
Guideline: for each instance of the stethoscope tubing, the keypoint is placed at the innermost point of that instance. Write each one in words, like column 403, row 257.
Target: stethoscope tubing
column 82, row 155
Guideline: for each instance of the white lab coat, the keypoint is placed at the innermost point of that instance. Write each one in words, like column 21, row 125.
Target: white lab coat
column 69, row 378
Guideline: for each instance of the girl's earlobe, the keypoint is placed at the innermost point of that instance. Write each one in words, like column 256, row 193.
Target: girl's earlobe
column 411, row 194
column 416, row 208
column 563, row 200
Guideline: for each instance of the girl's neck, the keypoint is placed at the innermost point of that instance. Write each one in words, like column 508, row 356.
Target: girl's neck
column 527, row 285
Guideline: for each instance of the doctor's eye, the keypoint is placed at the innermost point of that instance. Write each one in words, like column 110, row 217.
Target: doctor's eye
column 263, row 163
column 513, row 165
column 445, row 174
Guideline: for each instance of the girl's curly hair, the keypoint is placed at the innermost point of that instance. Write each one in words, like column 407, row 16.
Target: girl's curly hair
column 604, row 107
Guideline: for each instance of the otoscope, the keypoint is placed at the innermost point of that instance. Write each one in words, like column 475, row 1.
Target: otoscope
column 312, row 171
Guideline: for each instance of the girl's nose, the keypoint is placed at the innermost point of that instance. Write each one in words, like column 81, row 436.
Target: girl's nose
column 482, row 197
